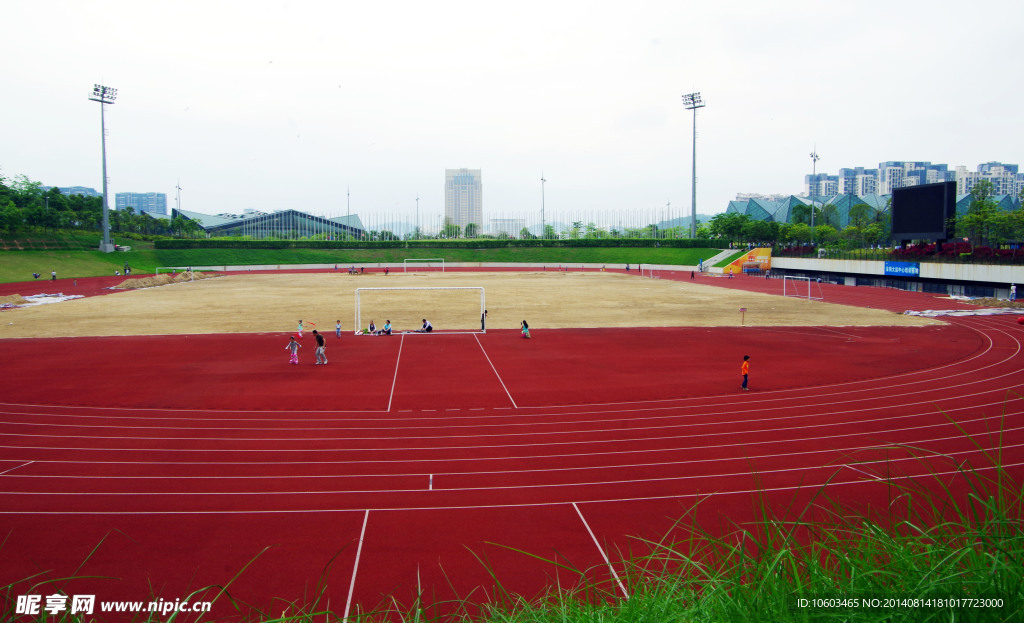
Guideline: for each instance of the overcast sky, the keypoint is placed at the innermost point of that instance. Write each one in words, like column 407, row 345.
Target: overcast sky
column 272, row 105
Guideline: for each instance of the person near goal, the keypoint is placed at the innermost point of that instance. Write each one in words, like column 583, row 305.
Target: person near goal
column 371, row 328
column 386, row 329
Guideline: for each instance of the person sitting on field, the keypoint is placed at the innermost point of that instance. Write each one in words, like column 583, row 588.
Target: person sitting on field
column 386, row 329
column 426, row 328
column 372, row 328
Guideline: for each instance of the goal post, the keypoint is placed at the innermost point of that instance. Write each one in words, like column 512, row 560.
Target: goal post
column 423, row 264
column 455, row 309
column 646, row 270
column 802, row 287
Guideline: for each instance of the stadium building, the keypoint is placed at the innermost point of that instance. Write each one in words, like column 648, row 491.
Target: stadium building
column 282, row 225
column 835, row 210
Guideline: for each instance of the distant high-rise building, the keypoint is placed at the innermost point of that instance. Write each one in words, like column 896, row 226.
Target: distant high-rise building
column 1004, row 177
column 821, row 185
column 858, row 181
column 463, row 199
column 899, row 173
column 153, row 203
column 74, row 190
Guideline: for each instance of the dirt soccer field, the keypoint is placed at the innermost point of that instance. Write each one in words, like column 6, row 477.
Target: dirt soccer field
column 264, row 303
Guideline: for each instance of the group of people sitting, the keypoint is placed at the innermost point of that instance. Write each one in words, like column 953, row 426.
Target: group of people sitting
column 372, row 329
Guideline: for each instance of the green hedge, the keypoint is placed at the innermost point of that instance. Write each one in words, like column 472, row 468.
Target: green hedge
column 226, row 243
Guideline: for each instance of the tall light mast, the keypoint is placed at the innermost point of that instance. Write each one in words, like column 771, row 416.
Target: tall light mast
column 104, row 95
column 692, row 101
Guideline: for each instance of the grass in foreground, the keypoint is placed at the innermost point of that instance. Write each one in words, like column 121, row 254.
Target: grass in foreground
column 935, row 553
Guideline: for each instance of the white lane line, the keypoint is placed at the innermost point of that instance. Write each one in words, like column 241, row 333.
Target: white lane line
column 17, row 467
column 507, row 393
column 788, row 489
column 600, row 549
column 355, row 566
column 394, row 379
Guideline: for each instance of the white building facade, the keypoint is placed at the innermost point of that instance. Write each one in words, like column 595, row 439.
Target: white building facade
column 463, row 197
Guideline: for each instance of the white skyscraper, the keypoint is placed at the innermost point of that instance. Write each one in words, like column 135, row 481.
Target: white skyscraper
column 463, row 199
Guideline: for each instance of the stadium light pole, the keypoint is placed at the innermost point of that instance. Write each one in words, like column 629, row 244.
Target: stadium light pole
column 814, row 174
column 104, row 95
column 692, row 101
column 417, row 232
column 543, row 225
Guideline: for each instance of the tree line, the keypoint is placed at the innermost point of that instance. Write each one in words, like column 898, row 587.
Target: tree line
column 25, row 208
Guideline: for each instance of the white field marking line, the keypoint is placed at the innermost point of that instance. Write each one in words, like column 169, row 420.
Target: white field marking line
column 822, row 332
column 355, row 565
column 612, row 413
column 529, row 445
column 581, row 468
column 848, row 466
column 174, row 409
column 507, row 393
column 746, row 408
column 669, row 403
column 394, row 379
column 591, row 431
column 16, row 467
column 678, row 496
column 519, row 488
column 527, row 457
column 607, row 562
column 700, row 399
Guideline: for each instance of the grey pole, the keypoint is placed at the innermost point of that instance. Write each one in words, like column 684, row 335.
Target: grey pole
column 692, row 101
column 104, row 95
column 543, row 224
column 814, row 181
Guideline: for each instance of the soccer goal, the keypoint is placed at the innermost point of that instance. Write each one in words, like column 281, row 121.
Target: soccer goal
column 449, row 309
column 646, row 270
column 802, row 287
column 423, row 264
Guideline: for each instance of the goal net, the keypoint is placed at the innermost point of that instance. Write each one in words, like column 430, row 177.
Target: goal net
column 432, row 264
column 802, row 287
column 646, row 270
column 449, row 309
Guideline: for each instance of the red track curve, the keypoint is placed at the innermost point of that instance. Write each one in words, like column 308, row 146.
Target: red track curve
column 569, row 446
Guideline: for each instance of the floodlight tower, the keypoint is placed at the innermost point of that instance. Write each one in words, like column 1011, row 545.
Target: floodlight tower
column 814, row 173
column 104, row 95
column 543, row 225
column 417, row 231
column 692, row 101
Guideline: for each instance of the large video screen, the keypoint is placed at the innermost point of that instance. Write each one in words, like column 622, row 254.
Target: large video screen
column 923, row 212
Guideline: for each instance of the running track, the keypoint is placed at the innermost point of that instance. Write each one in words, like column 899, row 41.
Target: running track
column 421, row 460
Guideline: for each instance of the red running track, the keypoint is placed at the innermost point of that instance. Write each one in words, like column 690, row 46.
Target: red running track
column 423, row 459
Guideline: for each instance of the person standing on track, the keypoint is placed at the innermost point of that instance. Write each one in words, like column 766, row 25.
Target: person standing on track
column 337, row 329
column 300, row 329
column 294, row 347
column 320, row 349
column 745, row 371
